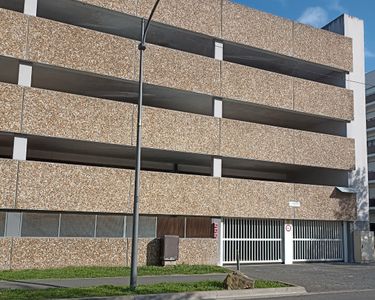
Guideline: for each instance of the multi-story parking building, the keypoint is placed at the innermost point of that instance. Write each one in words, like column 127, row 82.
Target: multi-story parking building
column 370, row 105
column 253, row 124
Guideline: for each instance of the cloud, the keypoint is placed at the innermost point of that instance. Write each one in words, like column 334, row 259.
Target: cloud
column 315, row 16
column 336, row 6
column 369, row 53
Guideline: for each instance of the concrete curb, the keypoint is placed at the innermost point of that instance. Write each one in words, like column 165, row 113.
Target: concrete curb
column 232, row 294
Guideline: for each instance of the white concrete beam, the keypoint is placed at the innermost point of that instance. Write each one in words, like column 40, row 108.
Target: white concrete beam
column 25, row 73
column 216, row 167
column 219, row 51
column 20, row 148
column 30, row 7
column 218, row 108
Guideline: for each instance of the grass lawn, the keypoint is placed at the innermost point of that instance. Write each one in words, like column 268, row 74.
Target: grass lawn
column 95, row 272
column 108, row 290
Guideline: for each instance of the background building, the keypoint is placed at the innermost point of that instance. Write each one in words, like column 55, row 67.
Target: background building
column 370, row 105
column 254, row 134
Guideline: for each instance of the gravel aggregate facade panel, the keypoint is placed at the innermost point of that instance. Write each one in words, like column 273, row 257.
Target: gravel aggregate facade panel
column 56, row 114
column 11, row 97
column 8, row 175
column 81, row 49
column 56, row 187
column 180, row 131
column 13, row 34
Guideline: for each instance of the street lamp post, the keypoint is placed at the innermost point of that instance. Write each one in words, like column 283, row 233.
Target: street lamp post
column 134, row 255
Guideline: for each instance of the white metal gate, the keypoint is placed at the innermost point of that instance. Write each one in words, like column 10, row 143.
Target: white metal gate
column 318, row 241
column 256, row 240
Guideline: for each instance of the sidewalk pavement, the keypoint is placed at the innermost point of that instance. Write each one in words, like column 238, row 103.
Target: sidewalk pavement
column 116, row 281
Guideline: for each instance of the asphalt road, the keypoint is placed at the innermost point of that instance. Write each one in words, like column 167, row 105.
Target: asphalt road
column 318, row 277
column 346, row 295
column 334, row 281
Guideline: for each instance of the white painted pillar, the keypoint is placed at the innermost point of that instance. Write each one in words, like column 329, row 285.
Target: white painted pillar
column 20, row 148
column 216, row 167
column 218, row 108
column 219, row 51
column 356, row 129
column 30, row 7
column 25, row 73
column 288, row 242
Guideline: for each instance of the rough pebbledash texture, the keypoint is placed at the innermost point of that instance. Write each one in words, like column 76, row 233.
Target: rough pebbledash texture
column 322, row 47
column 50, row 113
column 180, row 131
column 322, row 150
column 5, row 253
column 243, row 25
column 194, row 15
column 124, row 6
column 270, row 199
column 59, row 187
column 42, row 253
column 13, row 33
column 337, row 206
column 322, row 99
column 181, row 70
column 11, row 107
column 47, row 186
column 257, row 29
column 178, row 194
column 256, row 141
column 62, row 45
column 8, row 175
column 256, row 86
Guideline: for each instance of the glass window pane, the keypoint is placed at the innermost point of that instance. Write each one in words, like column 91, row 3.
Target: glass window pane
column 40, row 224
column 170, row 225
column 198, row 227
column 77, row 225
column 2, row 223
column 146, row 226
column 110, row 226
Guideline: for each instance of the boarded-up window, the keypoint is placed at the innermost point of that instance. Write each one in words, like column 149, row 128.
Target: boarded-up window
column 110, row 226
column 198, row 227
column 146, row 227
column 40, row 224
column 2, row 223
column 171, row 226
column 77, row 225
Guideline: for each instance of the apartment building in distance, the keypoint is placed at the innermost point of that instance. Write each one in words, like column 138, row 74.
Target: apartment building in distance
column 254, row 134
column 370, row 101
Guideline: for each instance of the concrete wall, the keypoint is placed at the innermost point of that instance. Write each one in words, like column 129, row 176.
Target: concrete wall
column 42, row 253
column 62, row 115
column 62, row 45
column 61, row 187
column 240, row 24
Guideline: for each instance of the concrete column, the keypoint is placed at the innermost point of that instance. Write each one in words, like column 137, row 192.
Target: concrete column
column 218, row 108
column 30, row 7
column 25, row 73
column 219, row 51
column 19, row 148
column 356, row 129
column 288, row 242
column 216, row 167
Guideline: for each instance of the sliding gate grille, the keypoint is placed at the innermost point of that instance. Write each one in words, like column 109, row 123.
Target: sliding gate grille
column 256, row 240
column 318, row 241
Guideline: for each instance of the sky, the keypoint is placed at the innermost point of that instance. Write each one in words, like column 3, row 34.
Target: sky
column 319, row 12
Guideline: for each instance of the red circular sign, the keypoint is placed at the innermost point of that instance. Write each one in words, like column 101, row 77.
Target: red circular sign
column 288, row 227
